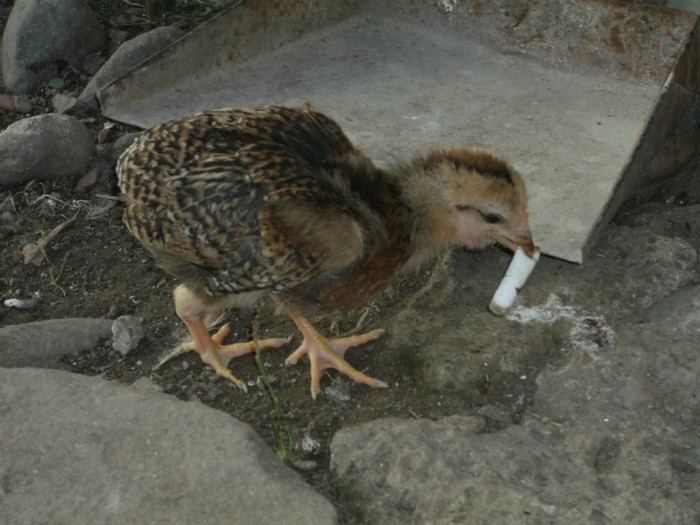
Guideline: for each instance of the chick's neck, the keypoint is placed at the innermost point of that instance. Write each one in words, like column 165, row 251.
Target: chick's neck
column 433, row 229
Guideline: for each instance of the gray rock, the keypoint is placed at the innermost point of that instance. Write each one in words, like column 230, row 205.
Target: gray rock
column 43, row 147
column 22, row 104
column 130, row 54
column 611, row 437
column 127, row 331
column 667, row 263
column 673, row 221
column 39, row 34
column 41, row 343
column 645, row 267
column 679, row 310
column 16, row 103
column 122, row 143
column 63, row 103
column 459, row 349
column 76, row 449
column 57, row 83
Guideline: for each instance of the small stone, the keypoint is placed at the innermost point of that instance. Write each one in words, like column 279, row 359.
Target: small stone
column 113, row 312
column 6, row 102
column 16, row 103
column 22, row 104
column 495, row 413
column 310, row 445
column 122, row 143
column 304, row 465
column 211, row 394
column 57, row 83
column 63, row 103
column 127, row 331
column 338, row 392
column 117, row 37
column 87, row 180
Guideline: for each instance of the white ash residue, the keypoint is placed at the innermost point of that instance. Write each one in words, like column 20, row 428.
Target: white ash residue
column 588, row 331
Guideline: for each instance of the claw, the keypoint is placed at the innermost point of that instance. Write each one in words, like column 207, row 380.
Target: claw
column 328, row 353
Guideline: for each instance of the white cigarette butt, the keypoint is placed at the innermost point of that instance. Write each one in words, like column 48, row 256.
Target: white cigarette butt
column 517, row 273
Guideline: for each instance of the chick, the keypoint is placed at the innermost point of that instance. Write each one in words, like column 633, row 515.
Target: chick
column 238, row 202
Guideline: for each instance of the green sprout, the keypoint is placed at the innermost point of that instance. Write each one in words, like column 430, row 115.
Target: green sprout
column 284, row 436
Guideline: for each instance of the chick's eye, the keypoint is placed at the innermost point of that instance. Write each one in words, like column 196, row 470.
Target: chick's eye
column 493, row 218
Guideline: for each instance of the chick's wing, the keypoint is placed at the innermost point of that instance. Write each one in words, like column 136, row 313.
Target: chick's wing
column 228, row 201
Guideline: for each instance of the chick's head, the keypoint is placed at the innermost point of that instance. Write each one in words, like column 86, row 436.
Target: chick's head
column 477, row 199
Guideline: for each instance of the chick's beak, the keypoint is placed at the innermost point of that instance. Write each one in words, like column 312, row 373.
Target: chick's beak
column 527, row 245
column 524, row 242
column 520, row 238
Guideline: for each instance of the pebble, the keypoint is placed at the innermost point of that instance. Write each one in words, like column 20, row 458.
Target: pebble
column 63, row 103
column 93, row 63
column 122, row 143
column 24, row 304
column 310, row 445
column 127, row 331
column 304, row 465
column 17, row 103
column 57, row 83
column 338, row 392
column 113, row 312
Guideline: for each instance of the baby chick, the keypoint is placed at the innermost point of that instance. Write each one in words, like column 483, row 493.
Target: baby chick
column 239, row 202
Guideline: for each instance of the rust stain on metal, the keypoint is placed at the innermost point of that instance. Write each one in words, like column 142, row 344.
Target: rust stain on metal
column 614, row 41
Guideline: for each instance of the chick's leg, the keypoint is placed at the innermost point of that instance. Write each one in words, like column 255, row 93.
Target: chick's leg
column 228, row 352
column 209, row 347
column 328, row 353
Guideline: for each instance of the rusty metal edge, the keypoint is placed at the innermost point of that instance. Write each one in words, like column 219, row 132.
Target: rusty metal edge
column 240, row 32
column 677, row 94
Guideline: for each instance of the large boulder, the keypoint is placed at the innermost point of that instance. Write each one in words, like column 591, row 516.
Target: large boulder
column 40, row 35
column 44, row 147
column 76, row 449
column 611, row 437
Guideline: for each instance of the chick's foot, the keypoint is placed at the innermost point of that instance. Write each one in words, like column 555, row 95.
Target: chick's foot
column 326, row 352
column 216, row 355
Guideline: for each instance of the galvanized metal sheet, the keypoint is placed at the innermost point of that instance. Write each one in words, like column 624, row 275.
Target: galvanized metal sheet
column 565, row 89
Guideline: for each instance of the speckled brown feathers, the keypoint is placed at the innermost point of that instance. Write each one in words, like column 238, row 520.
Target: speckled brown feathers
column 238, row 200
column 277, row 198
